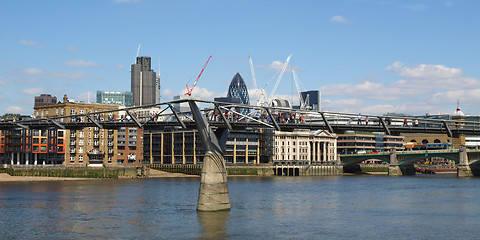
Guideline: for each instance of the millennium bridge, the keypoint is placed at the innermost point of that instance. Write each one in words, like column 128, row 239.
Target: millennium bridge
column 216, row 119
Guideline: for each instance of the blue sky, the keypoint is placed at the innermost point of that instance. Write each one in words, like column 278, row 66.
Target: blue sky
column 367, row 56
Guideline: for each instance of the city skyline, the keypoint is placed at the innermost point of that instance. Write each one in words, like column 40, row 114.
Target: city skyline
column 372, row 57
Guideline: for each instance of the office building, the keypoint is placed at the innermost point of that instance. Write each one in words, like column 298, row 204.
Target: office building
column 238, row 89
column 185, row 147
column 311, row 100
column 366, row 143
column 144, row 83
column 45, row 99
column 115, row 98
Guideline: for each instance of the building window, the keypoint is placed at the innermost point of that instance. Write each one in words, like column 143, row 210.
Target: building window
column 80, row 134
column 72, row 112
column 80, row 150
column 80, row 158
column 72, row 158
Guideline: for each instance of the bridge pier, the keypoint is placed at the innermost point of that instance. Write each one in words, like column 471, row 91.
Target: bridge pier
column 213, row 194
column 399, row 170
column 463, row 168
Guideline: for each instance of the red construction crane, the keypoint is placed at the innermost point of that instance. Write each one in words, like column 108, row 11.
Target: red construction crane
column 189, row 90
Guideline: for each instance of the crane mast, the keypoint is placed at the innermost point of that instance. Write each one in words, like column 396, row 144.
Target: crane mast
column 297, row 84
column 280, row 76
column 260, row 99
column 189, row 90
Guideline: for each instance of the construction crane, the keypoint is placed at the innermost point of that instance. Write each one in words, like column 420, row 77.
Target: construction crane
column 303, row 102
column 262, row 97
column 280, row 76
column 189, row 90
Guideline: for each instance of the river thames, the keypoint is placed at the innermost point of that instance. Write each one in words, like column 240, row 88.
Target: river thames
column 340, row 207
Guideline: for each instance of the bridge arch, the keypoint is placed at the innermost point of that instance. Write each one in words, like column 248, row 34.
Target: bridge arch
column 415, row 159
column 355, row 160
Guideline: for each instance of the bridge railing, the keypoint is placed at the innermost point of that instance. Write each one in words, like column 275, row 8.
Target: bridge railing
column 257, row 116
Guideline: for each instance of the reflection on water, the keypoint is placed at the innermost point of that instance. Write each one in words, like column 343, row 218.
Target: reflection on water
column 364, row 207
column 213, row 224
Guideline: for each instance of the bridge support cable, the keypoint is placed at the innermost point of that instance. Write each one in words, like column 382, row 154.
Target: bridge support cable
column 22, row 126
column 57, row 124
column 449, row 132
column 213, row 194
column 249, row 118
column 225, row 120
column 134, row 119
column 275, row 124
column 94, row 122
column 158, row 114
column 329, row 127
column 385, row 127
column 176, row 115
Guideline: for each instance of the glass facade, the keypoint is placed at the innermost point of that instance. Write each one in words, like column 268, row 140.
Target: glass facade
column 115, row 98
column 238, row 89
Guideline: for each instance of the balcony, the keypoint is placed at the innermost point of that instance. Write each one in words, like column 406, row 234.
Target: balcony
column 72, row 150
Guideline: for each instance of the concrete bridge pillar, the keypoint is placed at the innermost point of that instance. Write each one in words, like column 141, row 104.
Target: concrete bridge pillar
column 213, row 194
column 464, row 169
column 398, row 170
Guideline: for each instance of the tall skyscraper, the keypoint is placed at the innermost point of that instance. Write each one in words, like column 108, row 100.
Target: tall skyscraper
column 144, row 83
column 238, row 89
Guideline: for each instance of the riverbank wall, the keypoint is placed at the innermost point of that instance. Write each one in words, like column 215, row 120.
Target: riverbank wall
column 75, row 172
column 196, row 169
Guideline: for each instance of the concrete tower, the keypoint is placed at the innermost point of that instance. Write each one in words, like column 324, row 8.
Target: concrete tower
column 144, row 82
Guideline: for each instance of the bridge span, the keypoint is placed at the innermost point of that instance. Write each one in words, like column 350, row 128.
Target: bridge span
column 401, row 162
column 217, row 118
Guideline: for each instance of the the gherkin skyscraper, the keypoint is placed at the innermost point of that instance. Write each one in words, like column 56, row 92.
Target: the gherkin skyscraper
column 238, row 89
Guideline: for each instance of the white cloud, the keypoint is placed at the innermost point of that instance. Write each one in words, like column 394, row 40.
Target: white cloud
column 277, row 66
column 340, row 19
column 87, row 97
column 416, row 7
column 14, row 109
column 420, row 89
column 424, row 71
column 167, row 94
column 204, row 94
column 72, row 48
column 119, row 66
column 29, row 43
column 80, row 63
column 52, row 73
column 32, row 91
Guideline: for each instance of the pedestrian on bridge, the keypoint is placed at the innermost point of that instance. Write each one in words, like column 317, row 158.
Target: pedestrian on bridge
column 359, row 119
column 405, row 122
column 366, row 121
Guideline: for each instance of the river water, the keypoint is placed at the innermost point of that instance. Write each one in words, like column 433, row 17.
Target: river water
column 340, row 207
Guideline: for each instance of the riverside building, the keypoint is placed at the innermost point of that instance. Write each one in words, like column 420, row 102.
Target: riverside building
column 365, row 143
column 90, row 146
column 304, row 148
column 185, row 147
